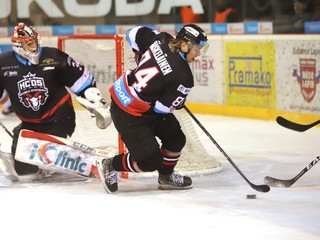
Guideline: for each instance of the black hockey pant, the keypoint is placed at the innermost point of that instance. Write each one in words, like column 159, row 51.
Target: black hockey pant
column 143, row 136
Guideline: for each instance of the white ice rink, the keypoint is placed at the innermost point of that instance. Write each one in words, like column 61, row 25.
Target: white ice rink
column 216, row 207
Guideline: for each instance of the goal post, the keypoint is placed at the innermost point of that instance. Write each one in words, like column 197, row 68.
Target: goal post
column 107, row 57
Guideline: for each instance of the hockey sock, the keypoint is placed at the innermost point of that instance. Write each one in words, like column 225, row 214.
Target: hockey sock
column 125, row 163
column 170, row 160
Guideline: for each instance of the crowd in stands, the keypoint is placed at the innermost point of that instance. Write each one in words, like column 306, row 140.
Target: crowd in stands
column 227, row 11
column 287, row 16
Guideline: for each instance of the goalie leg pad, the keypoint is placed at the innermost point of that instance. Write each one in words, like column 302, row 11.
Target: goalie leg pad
column 54, row 156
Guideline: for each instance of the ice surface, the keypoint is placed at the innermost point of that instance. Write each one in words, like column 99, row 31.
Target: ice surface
column 216, row 207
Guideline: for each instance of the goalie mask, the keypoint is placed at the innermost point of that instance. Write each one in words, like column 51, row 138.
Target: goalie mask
column 194, row 35
column 25, row 42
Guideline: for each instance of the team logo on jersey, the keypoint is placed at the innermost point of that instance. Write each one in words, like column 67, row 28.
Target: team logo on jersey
column 307, row 78
column 32, row 91
column 10, row 73
column 183, row 89
column 48, row 61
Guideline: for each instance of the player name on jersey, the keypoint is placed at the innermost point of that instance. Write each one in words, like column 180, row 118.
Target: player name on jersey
column 160, row 58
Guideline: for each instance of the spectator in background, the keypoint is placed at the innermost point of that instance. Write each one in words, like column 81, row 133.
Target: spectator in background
column 316, row 10
column 300, row 16
column 187, row 15
column 225, row 13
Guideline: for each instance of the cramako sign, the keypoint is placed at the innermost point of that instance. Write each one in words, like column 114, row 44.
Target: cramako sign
column 98, row 9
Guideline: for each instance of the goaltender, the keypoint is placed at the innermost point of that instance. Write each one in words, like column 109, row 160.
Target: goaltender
column 37, row 80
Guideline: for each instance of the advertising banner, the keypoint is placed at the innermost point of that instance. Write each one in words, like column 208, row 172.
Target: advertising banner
column 5, row 47
column 298, row 64
column 208, row 75
column 273, row 72
column 250, row 74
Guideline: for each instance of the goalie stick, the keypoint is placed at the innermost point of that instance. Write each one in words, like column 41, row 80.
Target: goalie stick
column 6, row 167
column 295, row 126
column 6, row 129
column 5, row 158
column 275, row 182
column 260, row 188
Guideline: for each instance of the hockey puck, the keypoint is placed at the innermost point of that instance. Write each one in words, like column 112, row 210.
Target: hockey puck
column 251, row 196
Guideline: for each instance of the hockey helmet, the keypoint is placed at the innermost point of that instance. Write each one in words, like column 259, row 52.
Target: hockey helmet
column 25, row 42
column 194, row 35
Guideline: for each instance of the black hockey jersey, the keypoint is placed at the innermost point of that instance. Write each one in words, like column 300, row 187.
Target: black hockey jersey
column 38, row 92
column 161, row 81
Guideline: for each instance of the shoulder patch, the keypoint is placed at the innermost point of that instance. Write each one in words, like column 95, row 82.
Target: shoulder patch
column 183, row 89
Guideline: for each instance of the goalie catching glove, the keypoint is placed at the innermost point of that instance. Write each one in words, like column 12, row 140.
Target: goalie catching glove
column 96, row 105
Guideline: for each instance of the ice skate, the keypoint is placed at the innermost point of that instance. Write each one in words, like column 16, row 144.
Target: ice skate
column 108, row 175
column 174, row 181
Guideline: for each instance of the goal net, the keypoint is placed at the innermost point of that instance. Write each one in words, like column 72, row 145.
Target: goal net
column 107, row 56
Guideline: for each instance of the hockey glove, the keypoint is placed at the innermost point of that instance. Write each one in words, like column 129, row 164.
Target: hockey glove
column 96, row 105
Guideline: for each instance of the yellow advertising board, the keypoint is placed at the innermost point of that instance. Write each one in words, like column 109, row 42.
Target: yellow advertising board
column 250, row 74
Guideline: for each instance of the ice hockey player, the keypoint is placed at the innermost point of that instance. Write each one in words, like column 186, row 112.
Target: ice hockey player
column 143, row 102
column 37, row 80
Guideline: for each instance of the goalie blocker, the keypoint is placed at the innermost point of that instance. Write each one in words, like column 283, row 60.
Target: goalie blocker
column 97, row 106
column 58, row 154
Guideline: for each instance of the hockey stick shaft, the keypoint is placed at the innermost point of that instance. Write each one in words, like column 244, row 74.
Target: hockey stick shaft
column 260, row 188
column 295, row 126
column 275, row 182
column 6, row 129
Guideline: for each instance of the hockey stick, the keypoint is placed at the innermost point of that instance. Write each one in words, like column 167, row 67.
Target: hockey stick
column 260, row 188
column 295, row 126
column 275, row 182
column 8, row 170
column 7, row 131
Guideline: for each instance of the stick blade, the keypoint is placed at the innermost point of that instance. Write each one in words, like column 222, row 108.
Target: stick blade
column 295, row 126
column 290, row 125
column 275, row 182
column 261, row 188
